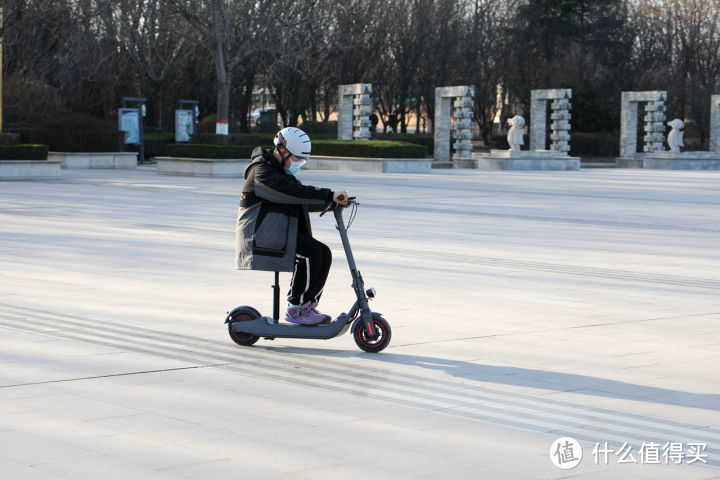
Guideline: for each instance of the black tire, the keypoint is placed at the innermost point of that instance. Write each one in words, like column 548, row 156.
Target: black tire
column 383, row 339
column 244, row 339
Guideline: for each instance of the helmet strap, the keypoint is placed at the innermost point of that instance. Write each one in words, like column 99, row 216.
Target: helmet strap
column 284, row 157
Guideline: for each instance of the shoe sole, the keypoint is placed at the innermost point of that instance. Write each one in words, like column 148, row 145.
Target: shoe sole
column 296, row 322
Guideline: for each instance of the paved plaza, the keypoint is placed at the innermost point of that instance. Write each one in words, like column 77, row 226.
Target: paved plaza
column 525, row 307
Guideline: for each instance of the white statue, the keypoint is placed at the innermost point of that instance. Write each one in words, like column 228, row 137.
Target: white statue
column 675, row 137
column 515, row 134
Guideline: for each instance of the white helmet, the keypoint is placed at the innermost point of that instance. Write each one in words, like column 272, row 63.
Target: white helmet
column 294, row 141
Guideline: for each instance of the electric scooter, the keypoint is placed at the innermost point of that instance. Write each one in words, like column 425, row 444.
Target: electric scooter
column 370, row 330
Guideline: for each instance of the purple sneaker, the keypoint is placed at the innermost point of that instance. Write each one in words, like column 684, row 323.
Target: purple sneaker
column 306, row 314
column 313, row 307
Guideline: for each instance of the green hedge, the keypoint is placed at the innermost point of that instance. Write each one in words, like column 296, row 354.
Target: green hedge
column 77, row 132
column 370, row 148
column 68, row 140
column 335, row 148
column 23, row 152
column 193, row 150
column 266, row 138
column 314, row 128
column 7, row 138
column 601, row 144
column 420, row 139
column 155, row 144
column 232, row 139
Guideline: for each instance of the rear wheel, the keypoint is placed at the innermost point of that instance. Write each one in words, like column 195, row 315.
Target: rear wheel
column 363, row 340
column 242, row 338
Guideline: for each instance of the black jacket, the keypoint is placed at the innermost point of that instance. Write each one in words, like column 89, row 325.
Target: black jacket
column 273, row 209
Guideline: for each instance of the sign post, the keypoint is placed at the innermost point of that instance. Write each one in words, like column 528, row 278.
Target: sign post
column 185, row 120
column 130, row 121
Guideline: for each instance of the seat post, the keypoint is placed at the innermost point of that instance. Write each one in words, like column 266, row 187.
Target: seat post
column 276, row 297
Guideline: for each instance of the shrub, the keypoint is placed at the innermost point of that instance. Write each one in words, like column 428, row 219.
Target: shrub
column 314, row 128
column 370, row 148
column 339, row 148
column 266, row 127
column 155, row 144
column 322, row 136
column 232, row 139
column 266, row 138
column 499, row 142
column 9, row 138
column 77, row 132
column 206, row 124
column 191, row 150
column 602, row 144
column 427, row 140
column 23, row 152
column 24, row 130
column 28, row 99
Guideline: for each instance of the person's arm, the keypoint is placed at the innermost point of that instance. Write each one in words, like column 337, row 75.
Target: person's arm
column 336, row 199
column 278, row 188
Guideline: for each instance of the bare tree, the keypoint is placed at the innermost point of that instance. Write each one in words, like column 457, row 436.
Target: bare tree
column 229, row 31
column 485, row 41
column 155, row 38
column 61, row 44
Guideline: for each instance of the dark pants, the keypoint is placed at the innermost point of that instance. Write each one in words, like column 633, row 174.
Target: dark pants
column 312, row 264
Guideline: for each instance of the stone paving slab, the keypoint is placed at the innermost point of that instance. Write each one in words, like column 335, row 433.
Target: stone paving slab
column 525, row 306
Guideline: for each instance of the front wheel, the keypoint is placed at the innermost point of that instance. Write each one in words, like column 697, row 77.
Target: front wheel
column 373, row 345
column 240, row 315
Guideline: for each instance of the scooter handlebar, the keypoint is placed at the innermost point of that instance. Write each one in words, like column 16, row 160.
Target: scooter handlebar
column 332, row 205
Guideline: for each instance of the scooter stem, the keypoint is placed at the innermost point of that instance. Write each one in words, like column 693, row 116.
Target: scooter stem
column 358, row 284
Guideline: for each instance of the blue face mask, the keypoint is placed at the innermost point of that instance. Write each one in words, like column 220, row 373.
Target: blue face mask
column 294, row 167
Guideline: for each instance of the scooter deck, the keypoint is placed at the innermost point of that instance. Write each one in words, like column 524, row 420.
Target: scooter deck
column 262, row 328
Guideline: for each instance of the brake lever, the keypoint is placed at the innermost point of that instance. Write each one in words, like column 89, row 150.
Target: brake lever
column 330, row 207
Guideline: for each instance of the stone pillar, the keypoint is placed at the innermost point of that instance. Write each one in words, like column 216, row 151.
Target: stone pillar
column 354, row 111
column 628, row 121
column 560, row 116
column 654, row 127
column 441, row 128
column 461, row 127
column 715, row 123
column 560, row 126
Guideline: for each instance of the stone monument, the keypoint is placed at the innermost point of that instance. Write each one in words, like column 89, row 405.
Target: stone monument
column 354, row 111
column 654, row 154
column 537, row 158
column 675, row 137
column 654, row 128
column 461, row 125
column 515, row 133
column 715, row 123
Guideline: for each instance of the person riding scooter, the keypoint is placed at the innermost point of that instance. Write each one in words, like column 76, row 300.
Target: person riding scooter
column 273, row 230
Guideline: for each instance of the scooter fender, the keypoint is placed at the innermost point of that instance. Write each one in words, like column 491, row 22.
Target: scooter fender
column 246, row 308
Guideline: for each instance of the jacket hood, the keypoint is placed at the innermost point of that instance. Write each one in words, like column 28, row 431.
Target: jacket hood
column 258, row 156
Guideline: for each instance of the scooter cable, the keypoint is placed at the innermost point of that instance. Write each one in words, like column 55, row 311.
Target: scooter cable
column 353, row 212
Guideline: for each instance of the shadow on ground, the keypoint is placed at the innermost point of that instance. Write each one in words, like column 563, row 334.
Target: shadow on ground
column 528, row 377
